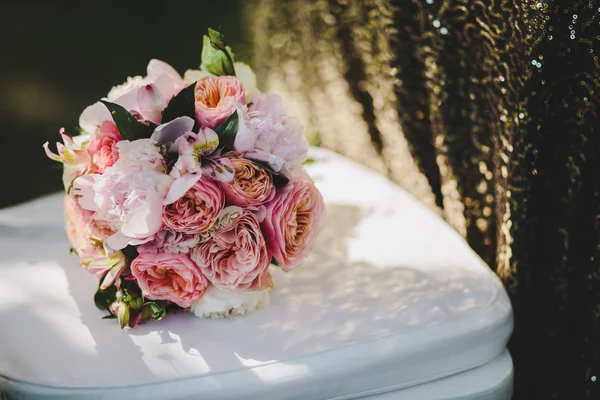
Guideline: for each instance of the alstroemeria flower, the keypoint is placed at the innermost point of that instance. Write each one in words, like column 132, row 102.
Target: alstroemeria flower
column 192, row 146
column 197, row 158
column 73, row 155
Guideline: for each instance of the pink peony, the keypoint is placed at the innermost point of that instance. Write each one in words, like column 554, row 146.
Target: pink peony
column 293, row 219
column 251, row 185
column 169, row 276
column 145, row 96
column 268, row 134
column 217, row 98
column 236, row 257
column 197, row 210
column 129, row 195
column 103, row 147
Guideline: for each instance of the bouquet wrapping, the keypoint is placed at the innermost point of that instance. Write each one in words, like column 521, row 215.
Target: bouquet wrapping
column 185, row 192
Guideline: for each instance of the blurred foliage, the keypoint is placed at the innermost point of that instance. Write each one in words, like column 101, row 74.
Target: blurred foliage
column 59, row 57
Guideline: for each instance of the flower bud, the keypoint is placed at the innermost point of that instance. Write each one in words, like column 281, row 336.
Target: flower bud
column 123, row 314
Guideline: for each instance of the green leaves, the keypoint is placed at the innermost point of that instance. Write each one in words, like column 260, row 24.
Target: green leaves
column 182, row 105
column 129, row 127
column 153, row 310
column 217, row 58
column 105, row 297
column 227, row 131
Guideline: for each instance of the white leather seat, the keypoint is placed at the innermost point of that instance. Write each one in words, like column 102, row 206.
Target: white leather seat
column 392, row 304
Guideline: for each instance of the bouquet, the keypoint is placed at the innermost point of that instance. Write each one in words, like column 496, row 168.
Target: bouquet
column 185, row 192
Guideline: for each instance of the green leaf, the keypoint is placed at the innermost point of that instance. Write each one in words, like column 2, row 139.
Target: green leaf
column 182, row 105
column 110, row 316
column 279, row 179
column 104, row 298
column 132, row 294
column 217, row 58
column 129, row 127
column 130, row 253
column 153, row 310
column 227, row 131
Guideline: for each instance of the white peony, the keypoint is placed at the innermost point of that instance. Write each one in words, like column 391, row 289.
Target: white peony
column 219, row 303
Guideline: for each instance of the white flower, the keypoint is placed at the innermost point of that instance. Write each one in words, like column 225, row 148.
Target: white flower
column 245, row 74
column 219, row 303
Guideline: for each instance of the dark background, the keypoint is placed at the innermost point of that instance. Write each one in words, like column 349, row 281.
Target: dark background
column 60, row 57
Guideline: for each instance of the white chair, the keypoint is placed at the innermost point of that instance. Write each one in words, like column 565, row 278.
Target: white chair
column 391, row 305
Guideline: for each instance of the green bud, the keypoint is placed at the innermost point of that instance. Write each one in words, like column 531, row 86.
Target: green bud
column 152, row 310
column 136, row 303
column 123, row 315
column 216, row 39
column 217, row 58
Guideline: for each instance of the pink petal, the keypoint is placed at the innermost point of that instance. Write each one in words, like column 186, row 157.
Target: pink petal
column 93, row 116
column 112, row 274
column 128, row 101
column 245, row 138
column 50, row 154
column 180, row 186
column 173, row 130
column 151, row 102
column 117, row 241
column 156, row 68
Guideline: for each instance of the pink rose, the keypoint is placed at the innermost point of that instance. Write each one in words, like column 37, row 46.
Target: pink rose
column 217, row 98
column 169, row 276
column 236, row 257
column 197, row 210
column 251, row 185
column 103, row 147
column 174, row 242
column 293, row 219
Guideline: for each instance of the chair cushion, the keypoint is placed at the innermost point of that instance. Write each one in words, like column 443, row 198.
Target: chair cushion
column 391, row 297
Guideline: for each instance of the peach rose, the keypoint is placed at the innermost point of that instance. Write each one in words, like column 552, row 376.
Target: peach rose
column 217, row 98
column 293, row 219
column 169, row 276
column 77, row 221
column 103, row 147
column 197, row 210
column 236, row 257
column 87, row 235
column 251, row 185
